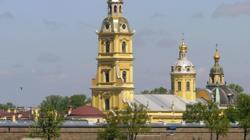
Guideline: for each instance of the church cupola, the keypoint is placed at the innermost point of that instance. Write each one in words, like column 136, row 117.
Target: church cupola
column 115, row 22
column 216, row 76
column 183, row 75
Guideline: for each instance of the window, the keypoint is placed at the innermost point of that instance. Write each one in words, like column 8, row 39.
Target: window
column 124, row 46
column 115, row 9
column 124, row 26
column 124, row 76
column 120, row 9
column 107, row 104
column 188, row 86
column 107, row 26
column 106, row 75
column 107, row 46
column 179, row 86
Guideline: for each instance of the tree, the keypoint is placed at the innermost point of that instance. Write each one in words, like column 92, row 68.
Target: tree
column 145, row 92
column 133, row 119
column 194, row 113
column 243, row 113
column 237, row 88
column 215, row 120
column 78, row 100
column 212, row 116
column 58, row 103
column 221, row 128
column 7, row 106
column 112, row 130
column 160, row 90
column 48, row 124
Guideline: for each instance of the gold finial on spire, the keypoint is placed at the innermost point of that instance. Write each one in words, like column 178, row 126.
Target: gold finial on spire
column 217, row 54
column 183, row 47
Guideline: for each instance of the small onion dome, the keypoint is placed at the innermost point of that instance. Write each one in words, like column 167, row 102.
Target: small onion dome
column 183, row 47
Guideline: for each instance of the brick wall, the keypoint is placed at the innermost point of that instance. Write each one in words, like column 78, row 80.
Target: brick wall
column 155, row 134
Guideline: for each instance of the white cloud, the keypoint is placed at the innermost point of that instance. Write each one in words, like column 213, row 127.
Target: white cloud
column 48, row 58
column 233, row 10
column 6, row 16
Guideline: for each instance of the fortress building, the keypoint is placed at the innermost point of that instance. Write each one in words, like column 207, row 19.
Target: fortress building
column 113, row 86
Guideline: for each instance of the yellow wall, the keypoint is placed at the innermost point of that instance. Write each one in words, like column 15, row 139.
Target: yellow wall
column 117, row 91
column 184, row 78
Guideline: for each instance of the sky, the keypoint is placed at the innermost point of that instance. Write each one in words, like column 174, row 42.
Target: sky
column 50, row 46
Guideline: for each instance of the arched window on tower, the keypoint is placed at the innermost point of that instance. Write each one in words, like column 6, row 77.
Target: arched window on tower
column 120, row 9
column 188, row 86
column 107, row 76
column 124, row 76
column 107, row 104
column 124, row 47
column 107, row 46
column 179, row 86
column 115, row 9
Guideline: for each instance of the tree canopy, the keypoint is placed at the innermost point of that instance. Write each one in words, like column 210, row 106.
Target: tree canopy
column 7, row 106
column 241, row 113
column 211, row 115
column 132, row 119
column 48, row 124
column 160, row 90
column 62, row 103
column 236, row 87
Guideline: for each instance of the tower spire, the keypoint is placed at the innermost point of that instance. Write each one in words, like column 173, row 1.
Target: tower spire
column 217, row 55
column 182, row 48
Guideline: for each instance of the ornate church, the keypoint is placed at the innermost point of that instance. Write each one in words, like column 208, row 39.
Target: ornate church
column 113, row 86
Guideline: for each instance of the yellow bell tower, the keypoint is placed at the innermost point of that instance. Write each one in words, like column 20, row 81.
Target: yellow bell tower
column 113, row 86
column 183, row 75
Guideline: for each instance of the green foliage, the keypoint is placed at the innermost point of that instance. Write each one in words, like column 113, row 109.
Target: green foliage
column 78, row 100
column 112, row 130
column 221, row 128
column 160, row 90
column 243, row 113
column 133, row 119
column 61, row 103
column 48, row 124
column 194, row 113
column 231, row 114
column 236, row 87
column 7, row 106
column 58, row 103
column 212, row 116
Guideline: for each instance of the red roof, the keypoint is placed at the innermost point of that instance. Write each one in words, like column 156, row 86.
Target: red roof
column 86, row 111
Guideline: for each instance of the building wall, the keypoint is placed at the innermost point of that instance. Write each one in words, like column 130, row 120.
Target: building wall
column 184, row 78
column 155, row 133
column 117, row 90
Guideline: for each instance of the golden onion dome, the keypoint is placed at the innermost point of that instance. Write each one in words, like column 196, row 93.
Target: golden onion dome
column 217, row 55
column 183, row 47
